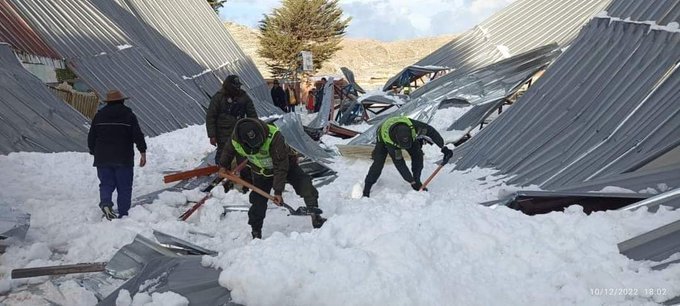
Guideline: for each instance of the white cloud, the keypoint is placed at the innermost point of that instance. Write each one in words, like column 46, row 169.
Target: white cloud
column 387, row 19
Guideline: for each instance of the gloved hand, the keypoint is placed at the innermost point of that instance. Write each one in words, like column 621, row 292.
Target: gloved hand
column 447, row 155
column 416, row 186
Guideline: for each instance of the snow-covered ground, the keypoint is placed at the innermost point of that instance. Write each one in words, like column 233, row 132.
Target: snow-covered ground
column 399, row 247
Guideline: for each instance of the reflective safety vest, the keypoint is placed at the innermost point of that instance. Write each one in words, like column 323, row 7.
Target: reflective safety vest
column 262, row 159
column 385, row 129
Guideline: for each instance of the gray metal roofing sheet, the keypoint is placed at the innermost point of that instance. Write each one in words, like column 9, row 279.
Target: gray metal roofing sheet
column 291, row 128
column 475, row 116
column 162, row 101
column 185, row 41
column 13, row 222
column 662, row 12
column 480, row 86
column 520, row 27
column 669, row 198
column 33, row 119
column 15, row 31
column 321, row 119
column 153, row 268
column 643, row 181
column 528, row 24
column 604, row 105
column 655, row 245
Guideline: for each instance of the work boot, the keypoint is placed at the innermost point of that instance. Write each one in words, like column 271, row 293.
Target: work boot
column 257, row 234
column 107, row 209
column 317, row 221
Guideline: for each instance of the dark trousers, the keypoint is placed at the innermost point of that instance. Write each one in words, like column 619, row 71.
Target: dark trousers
column 300, row 181
column 117, row 178
column 379, row 155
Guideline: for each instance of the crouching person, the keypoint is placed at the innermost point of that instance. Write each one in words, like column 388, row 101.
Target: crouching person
column 273, row 163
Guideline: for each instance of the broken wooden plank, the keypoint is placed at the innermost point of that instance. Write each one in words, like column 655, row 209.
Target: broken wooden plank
column 204, row 171
column 59, row 270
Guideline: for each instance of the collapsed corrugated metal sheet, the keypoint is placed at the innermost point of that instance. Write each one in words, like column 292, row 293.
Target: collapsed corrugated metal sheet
column 134, row 66
column 321, row 119
column 192, row 28
column 520, row 27
column 182, row 53
column 15, row 31
column 153, row 268
column 13, row 222
column 605, row 105
column 655, row 245
column 475, row 116
column 533, row 59
column 349, row 76
column 291, row 128
column 480, row 86
column 540, row 202
column 33, row 119
column 662, row 12
column 651, row 181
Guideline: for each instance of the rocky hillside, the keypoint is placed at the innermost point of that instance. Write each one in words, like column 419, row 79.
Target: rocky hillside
column 372, row 61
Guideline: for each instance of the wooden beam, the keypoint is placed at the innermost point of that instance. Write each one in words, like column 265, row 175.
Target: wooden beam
column 190, row 174
column 59, row 270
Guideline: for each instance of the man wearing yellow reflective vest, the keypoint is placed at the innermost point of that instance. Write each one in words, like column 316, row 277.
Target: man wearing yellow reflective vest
column 273, row 163
column 402, row 133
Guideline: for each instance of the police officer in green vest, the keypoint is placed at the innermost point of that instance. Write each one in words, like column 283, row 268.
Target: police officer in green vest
column 402, row 133
column 272, row 163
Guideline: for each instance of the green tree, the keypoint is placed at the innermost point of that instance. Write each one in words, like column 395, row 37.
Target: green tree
column 216, row 4
column 301, row 25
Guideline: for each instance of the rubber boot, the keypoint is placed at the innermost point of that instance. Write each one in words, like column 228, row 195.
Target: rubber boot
column 317, row 221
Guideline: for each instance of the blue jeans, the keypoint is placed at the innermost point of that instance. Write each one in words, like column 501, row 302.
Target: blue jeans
column 117, row 178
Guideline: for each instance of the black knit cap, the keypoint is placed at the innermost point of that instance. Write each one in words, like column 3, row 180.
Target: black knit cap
column 250, row 133
column 400, row 133
column 234, row 80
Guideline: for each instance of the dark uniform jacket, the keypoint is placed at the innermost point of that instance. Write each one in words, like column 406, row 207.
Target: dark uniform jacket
column 114, row 130
column 223, row 113
column 396, row 154
column 279, row 97
column 282, row 157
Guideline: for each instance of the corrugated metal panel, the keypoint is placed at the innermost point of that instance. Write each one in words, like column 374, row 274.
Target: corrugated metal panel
column 31, row 117
column 148, row 83
column 180, row 54
column 475, row 116
column 193, row 28
column 480, row 86
column 321, row 119
column 528, row 24
column 662, row 12
column 520, row 27
column 655, row 245
column 291, row 128
column 647, row 181
column 15, row 31
column 604, row 105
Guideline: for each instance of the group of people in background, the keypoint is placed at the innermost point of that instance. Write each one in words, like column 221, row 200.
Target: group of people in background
column 286, row 98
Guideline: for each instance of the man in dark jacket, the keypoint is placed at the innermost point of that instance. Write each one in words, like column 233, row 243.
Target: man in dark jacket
column 227, row 106
column 114, row 130
column 402, row 133
column 318, row 100
column 279, row 97
column 273, row 163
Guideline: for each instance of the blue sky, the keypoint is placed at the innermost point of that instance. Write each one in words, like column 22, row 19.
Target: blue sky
column 385, row 20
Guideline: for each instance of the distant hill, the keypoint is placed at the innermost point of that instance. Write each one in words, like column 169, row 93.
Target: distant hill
column 372, row 61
